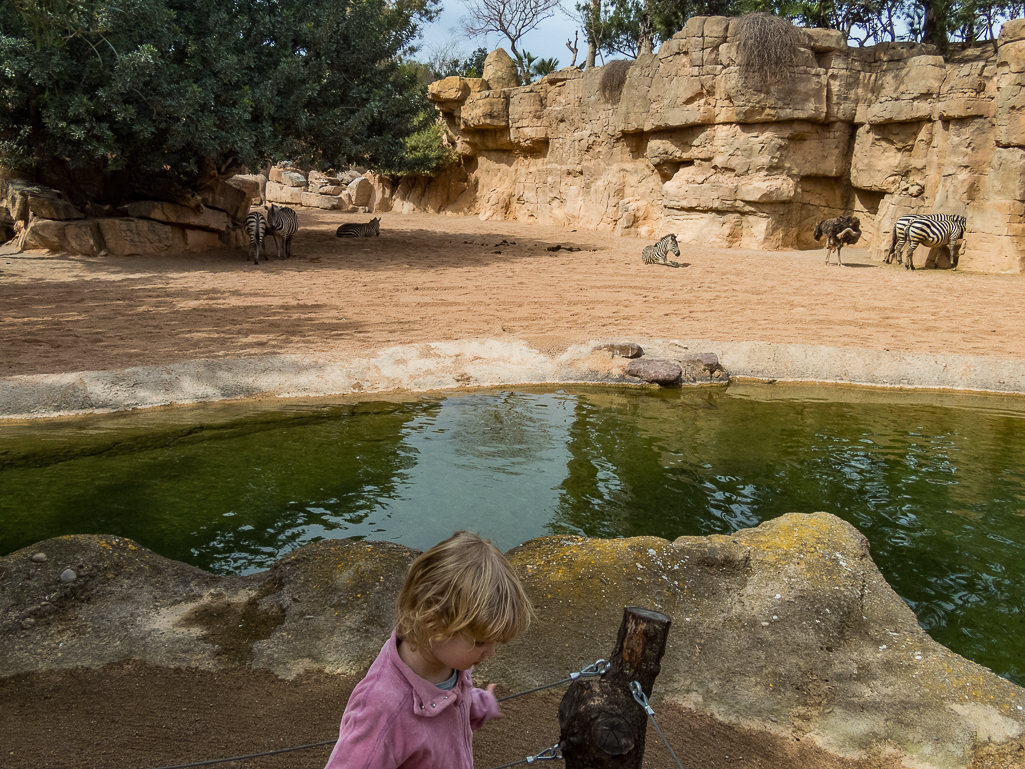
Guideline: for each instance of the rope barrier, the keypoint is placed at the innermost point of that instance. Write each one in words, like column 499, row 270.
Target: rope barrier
column 597, row 668
column 642, row 700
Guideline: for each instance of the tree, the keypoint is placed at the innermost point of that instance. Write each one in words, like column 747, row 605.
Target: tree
column 473, row 65
column 632, row 27
column 510, row 18
column 188, row 91
column 529, row 67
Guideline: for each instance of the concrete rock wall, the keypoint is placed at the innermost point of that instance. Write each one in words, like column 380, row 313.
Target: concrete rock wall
column 696, row 146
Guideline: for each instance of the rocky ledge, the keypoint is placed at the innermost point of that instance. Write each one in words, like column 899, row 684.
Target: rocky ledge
column 787, row 629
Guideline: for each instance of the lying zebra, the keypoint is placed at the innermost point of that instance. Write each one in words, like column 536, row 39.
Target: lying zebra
column 900, row 233
column 657, row 254
column 354, row 230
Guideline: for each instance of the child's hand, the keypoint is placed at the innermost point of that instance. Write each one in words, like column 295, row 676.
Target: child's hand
column 491, row 691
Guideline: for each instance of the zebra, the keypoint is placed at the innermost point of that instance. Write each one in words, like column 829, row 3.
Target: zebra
column 656, row 254
column 353, row 230
column 936, row 233
column 256, row 226
column 900, row 232
column 282, row 223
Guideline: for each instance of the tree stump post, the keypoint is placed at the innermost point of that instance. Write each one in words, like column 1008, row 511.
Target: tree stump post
column 601, row 725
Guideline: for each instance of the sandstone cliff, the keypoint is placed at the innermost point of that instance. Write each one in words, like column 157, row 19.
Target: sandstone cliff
column 694, row 145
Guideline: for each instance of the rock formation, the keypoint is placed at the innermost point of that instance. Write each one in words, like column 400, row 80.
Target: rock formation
column 40, row 217
column 785, row 629
column 693, row 144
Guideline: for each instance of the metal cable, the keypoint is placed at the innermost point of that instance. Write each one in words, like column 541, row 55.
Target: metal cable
column 642, row 700
column 548, row 754
column 251, row 755
column 597, row 668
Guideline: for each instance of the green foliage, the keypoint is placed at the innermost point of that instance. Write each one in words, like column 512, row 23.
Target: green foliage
column 473, row 65
column 426, row 151
column 443, row 64
column 529, row 67
column 177, row 87
column 615, row 25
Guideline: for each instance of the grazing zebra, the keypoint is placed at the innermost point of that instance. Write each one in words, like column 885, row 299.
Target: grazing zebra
column 936, row 233
column 656, row 254
column 256, row 226
column 353, row 230
column 841, row 231
column 900, row 232
column 282, row 224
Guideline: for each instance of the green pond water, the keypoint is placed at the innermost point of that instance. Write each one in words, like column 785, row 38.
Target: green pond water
column 935, row 481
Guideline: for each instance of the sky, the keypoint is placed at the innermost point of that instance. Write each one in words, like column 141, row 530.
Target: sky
column 547, row 41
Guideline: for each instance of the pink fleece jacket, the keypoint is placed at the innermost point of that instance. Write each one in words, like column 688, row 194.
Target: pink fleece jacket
column 395, row 719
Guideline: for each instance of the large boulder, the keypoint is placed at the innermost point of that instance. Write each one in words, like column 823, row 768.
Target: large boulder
column 171, row 213
column 253, row 185
column 500, row 70
column 136, row 237
column 75, row 237
column 360, row 191
column 283, row 194
column 229, row 198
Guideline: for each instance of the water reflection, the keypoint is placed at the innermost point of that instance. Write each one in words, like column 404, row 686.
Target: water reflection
column 936, row 485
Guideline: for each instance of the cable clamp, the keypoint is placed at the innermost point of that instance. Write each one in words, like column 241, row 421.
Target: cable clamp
column 597, row 668
column 641, row 697
column 548, row 754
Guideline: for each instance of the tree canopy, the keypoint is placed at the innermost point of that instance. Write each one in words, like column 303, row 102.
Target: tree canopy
column 196, row 88
column 626, row 27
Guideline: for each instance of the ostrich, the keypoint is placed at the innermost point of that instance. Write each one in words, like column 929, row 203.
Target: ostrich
column 839, row 232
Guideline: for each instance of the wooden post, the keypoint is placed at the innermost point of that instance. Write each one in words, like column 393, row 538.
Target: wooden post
column 601, row 724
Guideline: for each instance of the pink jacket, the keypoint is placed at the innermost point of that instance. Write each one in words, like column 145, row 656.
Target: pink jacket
column 397, row 719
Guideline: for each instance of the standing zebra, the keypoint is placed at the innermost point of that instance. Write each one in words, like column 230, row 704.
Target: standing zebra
column 282, row 223
column 354, row 230
column 656, row 254
column 936, row 233
column 256, row 226
column 900, row 232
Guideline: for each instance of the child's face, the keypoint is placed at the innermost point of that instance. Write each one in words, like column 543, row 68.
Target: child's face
column 462, row 651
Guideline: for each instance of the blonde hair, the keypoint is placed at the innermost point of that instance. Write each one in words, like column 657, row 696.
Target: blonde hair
column 461, row 585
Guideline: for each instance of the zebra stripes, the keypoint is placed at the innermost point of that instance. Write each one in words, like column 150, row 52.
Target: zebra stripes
column 935, row 233
column 900, row 232
column 256, row 226
column 354, row 230
column 656, row 254
column 282, row 224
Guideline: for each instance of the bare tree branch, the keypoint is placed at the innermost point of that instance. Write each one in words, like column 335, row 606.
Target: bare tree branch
column 510, row 18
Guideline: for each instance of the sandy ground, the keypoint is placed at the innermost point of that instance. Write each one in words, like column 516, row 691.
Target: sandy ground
column 428, row 279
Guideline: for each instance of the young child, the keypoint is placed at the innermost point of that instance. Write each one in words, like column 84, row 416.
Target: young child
column 417, row 706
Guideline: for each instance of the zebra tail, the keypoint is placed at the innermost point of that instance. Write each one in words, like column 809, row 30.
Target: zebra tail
column 893, row 243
